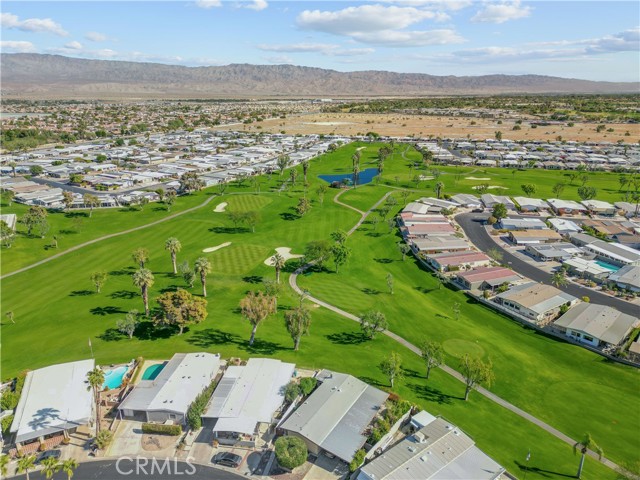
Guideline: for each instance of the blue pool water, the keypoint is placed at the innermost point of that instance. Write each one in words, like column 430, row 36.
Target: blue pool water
column 113, row 378
column 364, row 177
column 152, row 372
column 608, row 266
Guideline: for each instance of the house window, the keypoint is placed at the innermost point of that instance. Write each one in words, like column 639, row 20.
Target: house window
column 588, row 339
column 172, row 416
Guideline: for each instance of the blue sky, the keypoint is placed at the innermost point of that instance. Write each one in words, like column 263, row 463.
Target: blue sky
column 595, row 40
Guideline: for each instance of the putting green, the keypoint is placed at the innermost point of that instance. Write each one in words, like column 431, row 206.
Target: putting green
column 458, row 347
column 238, row 259
column 247, row 203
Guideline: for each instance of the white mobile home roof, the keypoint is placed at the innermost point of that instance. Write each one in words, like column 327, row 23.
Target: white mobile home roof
column 604, row 323
column 177, row 385
column 248, row 395
column 336, row 414
column 53, row 398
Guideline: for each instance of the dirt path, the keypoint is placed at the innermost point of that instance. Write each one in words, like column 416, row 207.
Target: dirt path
column 293, row 282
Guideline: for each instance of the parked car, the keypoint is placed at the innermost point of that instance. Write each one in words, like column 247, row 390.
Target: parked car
column 48, row 454
column 227, row 459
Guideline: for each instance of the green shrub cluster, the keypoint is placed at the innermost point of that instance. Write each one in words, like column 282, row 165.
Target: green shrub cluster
column 395, row 409
column 161, row 429
column 196, row 409
column 6, row 424
column 10, row 398
column 291, row 452
column 358, row 458
column 307, row 385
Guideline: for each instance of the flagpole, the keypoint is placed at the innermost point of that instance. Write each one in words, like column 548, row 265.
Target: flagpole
column 91, row 347
column 527, row 467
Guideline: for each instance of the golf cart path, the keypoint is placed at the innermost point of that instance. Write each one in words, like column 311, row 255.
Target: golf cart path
column 111, row 235
column 293, row 282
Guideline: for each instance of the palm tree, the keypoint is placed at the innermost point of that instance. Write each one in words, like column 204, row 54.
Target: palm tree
column 95, row 378
column 356, row 172
column 305, row 169
column 140, row 256
column 68, row 466
column 50, row 466
column 278, row 262
column 439, row 188
column 143, row 279
column 559, row 279
column 587, row 443
column 25, row 464
column 174, row 246
column 203, row 267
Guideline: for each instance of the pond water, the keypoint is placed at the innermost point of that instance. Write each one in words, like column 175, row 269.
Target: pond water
column 364, row 177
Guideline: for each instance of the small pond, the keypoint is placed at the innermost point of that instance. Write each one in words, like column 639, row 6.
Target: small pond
column 364, row 177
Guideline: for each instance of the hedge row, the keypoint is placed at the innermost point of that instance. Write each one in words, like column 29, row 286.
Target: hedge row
column 161, row 429
column 196, row 409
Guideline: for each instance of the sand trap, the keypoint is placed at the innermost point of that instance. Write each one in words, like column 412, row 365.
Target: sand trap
column 423, row 178
column 220, row 207
column 213, row 249
column 491, row 187
column 475, row 178
column 360, row 148
column 285, row 252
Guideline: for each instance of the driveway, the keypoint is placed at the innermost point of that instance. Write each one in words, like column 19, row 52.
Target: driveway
column 473, row 226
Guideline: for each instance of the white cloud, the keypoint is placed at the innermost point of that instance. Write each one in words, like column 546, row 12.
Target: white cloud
column 279, row 59
column 501, row 12
column 35, row 25
column 73, row 45
column 327, row 49
column 208, row 3
column 451, row 5
column 257, row 5
column 9, row 46
column 395, row 38
column 95, row 36
column 365, row 18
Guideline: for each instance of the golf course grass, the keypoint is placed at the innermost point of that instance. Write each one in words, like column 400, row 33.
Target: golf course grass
column 57, row 311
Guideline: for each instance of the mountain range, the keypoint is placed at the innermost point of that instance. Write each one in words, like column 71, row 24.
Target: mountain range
column 30, row 75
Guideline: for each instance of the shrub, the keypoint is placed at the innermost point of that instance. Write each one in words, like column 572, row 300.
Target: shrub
column 104, row 438
column 9, row 400
column 291, row 391
column 197, row 407
column 307, row 385
column 161, row 429
column 6, row 424
column 291, row 452
column 358, row 458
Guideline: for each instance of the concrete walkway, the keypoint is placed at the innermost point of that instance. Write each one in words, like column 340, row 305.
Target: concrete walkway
column 105, row 237
column 293, row 279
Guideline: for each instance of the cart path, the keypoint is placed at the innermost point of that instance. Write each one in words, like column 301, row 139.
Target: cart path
column 106, row 237
column 293, row 282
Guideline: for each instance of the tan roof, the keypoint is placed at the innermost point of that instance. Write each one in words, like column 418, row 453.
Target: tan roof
column 544, row 233
column 533, row 295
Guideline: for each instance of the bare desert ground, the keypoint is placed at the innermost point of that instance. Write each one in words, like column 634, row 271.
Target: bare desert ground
column 445, row 127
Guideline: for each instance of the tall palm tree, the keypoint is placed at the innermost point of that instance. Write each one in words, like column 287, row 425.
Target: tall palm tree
column 25, row 464
column 174, row 246
column 95, row 378
column 202, row 266
column 356, row 173
column 68, row 466
column 439, row 188
column 50, row 466
column 559, row 279
column 143, row 279
column 140, row 256
column 587, row 443
column 305, row 169
column 278, row 262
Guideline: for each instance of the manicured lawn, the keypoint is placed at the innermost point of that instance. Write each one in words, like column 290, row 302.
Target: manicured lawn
column 57, row 311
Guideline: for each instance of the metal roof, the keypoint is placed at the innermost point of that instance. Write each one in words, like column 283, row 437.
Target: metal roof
column 181, row 380
column 53, row 398
column 599, row 321
column 437, row 451
column 336, row 414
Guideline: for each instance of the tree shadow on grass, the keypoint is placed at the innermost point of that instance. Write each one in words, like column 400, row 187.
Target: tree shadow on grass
column 371, row 291
column 374, row 234
column 170, row 288
column 253, row 279
column 66, row 231
column 108, row 310
column 261, row 347
column 542, row 472
column 383, row 260
column 122, row 271
column 422, row 289
column 347, row 338
column 229, row 230
column 431, row 394
column 125, row 294
column 81, row 293
column 112, row 335
column 288, row 216
column 213, row 336
column 147, row 330
column 76, row 215
column 374, row 382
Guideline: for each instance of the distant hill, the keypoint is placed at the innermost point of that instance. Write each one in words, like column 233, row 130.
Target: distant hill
column 29, row 75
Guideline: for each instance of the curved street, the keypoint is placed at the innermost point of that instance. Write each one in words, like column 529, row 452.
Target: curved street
column 473, row 226
column 128, row 468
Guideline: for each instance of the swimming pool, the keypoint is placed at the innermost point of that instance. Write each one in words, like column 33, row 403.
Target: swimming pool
column 364, row 177
column 113, row 378
column 608, row 266
column 152, row 372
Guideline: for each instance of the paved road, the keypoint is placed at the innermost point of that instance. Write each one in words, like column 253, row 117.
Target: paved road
column 82, row 190
column 293, row 282
column 473, row 227
column 105, row 237
column 126, row 469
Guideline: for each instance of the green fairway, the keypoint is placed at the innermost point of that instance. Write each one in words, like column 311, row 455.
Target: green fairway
column 57, row 312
